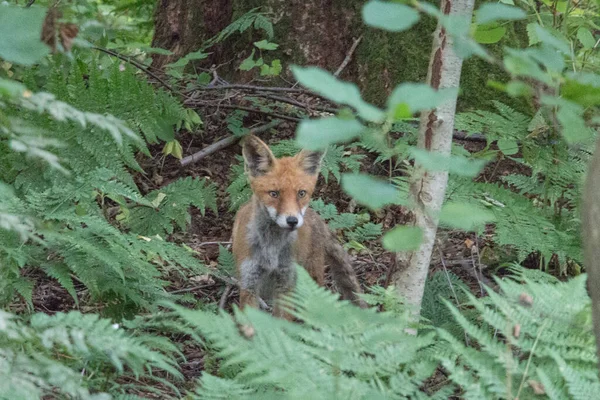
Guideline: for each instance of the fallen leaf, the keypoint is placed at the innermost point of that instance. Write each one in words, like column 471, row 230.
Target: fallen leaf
column 246, row 330
column 469, row 243
column 526, row 300
column 206, row 278
column 537, row 387
column 517, row 331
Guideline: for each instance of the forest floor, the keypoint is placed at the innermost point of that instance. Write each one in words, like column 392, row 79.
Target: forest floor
column 456, row 251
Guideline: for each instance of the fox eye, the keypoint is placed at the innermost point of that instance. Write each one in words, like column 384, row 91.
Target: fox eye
column 301, row 193
column 274, row 194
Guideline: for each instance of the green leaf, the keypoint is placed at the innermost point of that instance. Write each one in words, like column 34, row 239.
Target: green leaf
column 20, row 32
column 373, row 193
column 517, row 88
column 489, row 33
column 456, row 164
column 11, row 88
column 409, row 98
column 465, row 216
column 173, row 148
column 276, row 67
column 159, row 198
column 392, row 17
column 266, row 45
column 508, row 147
column 183, row 61
column 403, row 238
column 327, row 85
column 317, row 134
column 583, row 89
column 490, row 12
column 248, row 63
column 553, row 38
column 532, row 33
column 586, row 38
column 570, row 117
column 521, row 64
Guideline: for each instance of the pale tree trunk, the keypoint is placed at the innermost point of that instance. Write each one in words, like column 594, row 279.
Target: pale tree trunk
column 435, row 134
column 591, row 238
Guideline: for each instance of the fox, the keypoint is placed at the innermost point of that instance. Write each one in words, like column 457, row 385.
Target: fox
column 276, row 229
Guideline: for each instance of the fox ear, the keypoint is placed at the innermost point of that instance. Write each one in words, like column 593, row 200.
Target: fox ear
column 258, row 157
column 310, row 161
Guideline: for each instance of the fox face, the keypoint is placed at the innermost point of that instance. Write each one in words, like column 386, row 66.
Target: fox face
column 282, row 186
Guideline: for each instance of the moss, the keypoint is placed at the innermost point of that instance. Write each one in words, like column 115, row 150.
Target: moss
column 383, row 59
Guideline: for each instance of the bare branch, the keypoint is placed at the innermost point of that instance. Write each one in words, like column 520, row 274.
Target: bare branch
column 224, row 143
column 348, row 57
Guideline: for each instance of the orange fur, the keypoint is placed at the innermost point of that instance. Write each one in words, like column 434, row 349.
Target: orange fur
column 282, row 189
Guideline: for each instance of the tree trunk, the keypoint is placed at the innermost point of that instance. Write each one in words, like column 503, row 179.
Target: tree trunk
column 428, row 188
column 181, row 26
column 591, row 238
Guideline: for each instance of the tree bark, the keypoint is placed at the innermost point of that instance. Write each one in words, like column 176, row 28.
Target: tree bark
column 428, row 188
column 591, row 238
column 181, row 26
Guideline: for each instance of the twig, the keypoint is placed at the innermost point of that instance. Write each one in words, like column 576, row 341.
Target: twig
column 348, row 57
column 215, row 76
column 252, row 88
column 213, row 148
column 478, row 271
column 224, row 143
column 191, row 289
column 210, row 243
column 537, row 339
column 242, row 108
column 140, row 67
column 29, row 3
column 224, row 297
column 296, row 103
column 475, row 137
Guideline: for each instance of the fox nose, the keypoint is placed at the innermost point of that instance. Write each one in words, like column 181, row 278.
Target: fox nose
column 292, row 221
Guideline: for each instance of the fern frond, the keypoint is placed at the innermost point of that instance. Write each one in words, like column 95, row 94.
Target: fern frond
column 171, row 206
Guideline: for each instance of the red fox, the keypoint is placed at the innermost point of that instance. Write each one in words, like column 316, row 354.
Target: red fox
column 276, row 229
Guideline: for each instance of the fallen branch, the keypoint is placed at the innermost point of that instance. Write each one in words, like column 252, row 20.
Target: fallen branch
column 251, row 88
column 242, row 108
column 348, row 57
column 296, row 103
column 224, row 297
column 224, row 143
column 474, row 137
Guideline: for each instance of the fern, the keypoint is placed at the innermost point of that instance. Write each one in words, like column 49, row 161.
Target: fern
column 74, row 237
column 536, row 212
column 226, row 261
column 521, row 224
column 355, row 227
column 68, row 354
column 340, row 351
column 507, row 123
column 171, row 205
column 526, row 334
column 240, row 25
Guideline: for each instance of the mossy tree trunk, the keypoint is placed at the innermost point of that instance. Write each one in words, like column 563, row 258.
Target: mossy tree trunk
column 181, row 26
column 320, row 32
